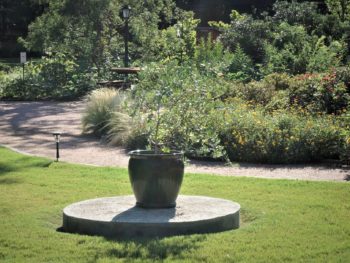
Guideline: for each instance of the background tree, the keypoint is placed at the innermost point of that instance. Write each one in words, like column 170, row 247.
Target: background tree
column 14, row 19
column 92, row 31
column 340, row 8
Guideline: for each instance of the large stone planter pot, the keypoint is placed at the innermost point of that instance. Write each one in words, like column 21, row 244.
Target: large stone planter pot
column 156, row 178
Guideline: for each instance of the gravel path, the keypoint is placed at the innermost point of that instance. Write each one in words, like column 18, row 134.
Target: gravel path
column 28, row 126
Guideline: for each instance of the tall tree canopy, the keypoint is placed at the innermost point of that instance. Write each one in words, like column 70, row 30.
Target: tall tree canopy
column 340, row 8
column 14, row 19
column 92, row 30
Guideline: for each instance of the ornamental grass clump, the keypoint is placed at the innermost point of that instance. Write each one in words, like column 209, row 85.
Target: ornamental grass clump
column 119, row 127
column 107, row 115
column 124, row 130
column 101, row 106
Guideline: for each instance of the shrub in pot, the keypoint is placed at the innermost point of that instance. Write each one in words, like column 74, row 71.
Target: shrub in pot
column 156, row 175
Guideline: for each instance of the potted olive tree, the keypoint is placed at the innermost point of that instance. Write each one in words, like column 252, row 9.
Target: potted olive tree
column 155, row 174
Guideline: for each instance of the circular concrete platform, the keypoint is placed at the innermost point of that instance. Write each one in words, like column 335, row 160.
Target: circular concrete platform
column 119, row 217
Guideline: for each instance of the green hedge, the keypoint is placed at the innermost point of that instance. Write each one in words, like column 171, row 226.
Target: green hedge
column 283, row 136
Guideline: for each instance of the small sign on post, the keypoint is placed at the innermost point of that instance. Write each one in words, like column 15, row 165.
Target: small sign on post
column 23, row 57
column 23, row 60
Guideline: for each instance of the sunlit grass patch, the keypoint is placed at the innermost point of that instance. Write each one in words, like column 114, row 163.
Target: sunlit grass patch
column 282, row 220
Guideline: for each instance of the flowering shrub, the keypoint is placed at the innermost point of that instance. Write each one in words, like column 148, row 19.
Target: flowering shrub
column 316, row 93
column 251, row 135
column 345, row 124
column 343, row 75
column 320, row 93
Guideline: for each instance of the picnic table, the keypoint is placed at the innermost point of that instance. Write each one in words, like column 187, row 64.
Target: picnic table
column 126, row 71
column 121, row 83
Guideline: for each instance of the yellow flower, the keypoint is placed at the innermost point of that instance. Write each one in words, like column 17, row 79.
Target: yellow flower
column 241, row 140
column 348, row 140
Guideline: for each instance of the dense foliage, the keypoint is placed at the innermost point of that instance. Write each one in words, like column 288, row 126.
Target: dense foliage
column 280, row 119
column 93, row 31
column 274, row 120
column 274, row 87
column 15, row 16
column 58, row 77
column 296, row 39
column 84, row 39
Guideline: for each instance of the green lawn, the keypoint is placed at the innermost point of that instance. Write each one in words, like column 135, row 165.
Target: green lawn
column 282, row 220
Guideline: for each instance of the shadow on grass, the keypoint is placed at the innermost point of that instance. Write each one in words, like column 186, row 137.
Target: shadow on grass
column 248, row 217
column 9, row 181
column 159, row 249
column 20, row 164
column 151, row 247
column 6, row 168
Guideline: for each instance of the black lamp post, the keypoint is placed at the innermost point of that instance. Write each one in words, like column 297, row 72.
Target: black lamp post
column 126, row 14
column 57, row 136
column 179, row 35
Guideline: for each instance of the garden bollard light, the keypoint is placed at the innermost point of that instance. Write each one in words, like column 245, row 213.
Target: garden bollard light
column 57, row 135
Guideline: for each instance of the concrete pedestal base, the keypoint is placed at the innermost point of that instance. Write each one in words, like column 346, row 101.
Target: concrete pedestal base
column 119, row 217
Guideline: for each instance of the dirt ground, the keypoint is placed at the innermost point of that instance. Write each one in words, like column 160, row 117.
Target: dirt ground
column 27, row 127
